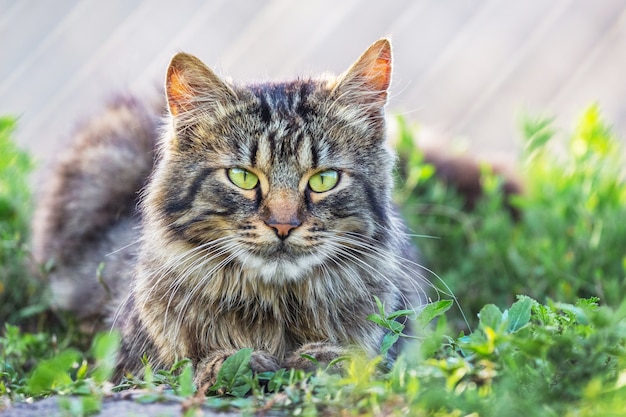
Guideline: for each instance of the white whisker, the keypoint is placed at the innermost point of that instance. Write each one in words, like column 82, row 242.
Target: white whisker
column 350, row 244
column 124, row 247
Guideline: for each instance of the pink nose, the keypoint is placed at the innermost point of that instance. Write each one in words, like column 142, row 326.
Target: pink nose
column 282, row 229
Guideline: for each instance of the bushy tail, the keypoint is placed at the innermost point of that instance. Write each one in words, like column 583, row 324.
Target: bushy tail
column 87, row 203
column 463, row 173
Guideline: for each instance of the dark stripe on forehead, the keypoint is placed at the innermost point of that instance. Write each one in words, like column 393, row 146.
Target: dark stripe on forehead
column 291, row 99
column 265, row 110
column 271, row 139
column 315, row 153
column 181, row 202
column 283, row 98
column 299, row 145
column 286, row 147
column 253, row 149
column 303, row 108
column 309, row 149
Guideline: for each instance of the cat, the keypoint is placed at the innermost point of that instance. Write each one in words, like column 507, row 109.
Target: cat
column 264, row 220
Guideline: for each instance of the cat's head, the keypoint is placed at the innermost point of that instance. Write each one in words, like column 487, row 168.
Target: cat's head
column 276, row 177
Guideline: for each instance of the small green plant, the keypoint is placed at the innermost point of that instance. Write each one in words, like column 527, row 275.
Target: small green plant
column 235, row 376
column 18, row 290
column 34, row 365
column 19, row 353
column 531, row 359
column 395, row 322
column 569, row 240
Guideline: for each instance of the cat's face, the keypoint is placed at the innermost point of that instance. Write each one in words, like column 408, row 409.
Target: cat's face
column 278, row 178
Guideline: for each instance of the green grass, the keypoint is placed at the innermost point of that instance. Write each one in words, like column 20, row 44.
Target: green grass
column 570, row 241
column 558, row 350
column 16, row 287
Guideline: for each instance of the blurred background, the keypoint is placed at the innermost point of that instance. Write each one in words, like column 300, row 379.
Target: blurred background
column 464, row 69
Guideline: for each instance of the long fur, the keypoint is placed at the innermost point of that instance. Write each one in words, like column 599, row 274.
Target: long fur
column 210, row 273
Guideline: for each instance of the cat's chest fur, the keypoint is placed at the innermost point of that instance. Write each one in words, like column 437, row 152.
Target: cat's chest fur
column 231, row 307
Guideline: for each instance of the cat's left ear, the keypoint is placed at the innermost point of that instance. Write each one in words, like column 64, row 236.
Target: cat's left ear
column 368, row 79
column 190, row 84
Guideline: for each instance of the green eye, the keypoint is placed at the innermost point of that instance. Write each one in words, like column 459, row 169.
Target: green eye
column 324, row 181
column 242, row 178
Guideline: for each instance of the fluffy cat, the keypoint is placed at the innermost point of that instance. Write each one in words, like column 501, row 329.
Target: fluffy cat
column 266, row 221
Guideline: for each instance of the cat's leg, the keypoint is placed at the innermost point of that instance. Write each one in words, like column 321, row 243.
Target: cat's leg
column 208, row 369
column 322, row 353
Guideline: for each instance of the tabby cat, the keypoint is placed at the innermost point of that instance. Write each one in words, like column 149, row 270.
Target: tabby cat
column 266, row 221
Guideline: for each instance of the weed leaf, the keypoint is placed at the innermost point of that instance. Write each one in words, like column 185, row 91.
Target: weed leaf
column 388, row 341
column 490, row 317
column 519, row 314
column 105, row 348
column 401, row 313
column 53, row 373
column 378, row 319
column 432, row 311
column 235, row 374
column 186, row 387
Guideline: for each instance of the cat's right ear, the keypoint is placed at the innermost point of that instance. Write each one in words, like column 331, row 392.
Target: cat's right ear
column 190, row 84
column 367, row 81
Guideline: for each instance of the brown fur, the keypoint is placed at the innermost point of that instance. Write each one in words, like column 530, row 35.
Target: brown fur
column 87, row 207
column 206, row 268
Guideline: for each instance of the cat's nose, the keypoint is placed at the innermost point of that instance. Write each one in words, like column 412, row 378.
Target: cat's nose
column 283, row 229
column 281, row 211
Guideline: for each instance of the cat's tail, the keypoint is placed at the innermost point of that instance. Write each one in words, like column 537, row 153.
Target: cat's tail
column 464, row 174
column 86, row 206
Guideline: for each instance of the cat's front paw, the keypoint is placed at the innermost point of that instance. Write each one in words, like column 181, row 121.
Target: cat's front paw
column 315, row 355
column 209, row 368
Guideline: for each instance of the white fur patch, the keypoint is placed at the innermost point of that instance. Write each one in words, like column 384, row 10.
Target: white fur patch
column 277, row 271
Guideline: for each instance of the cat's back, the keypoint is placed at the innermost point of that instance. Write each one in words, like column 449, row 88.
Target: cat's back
column 86, row 222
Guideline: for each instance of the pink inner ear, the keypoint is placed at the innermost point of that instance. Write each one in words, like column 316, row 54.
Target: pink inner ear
column 177, row 91
column 379, row 72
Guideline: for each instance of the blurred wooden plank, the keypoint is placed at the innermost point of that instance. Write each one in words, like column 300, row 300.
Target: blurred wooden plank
column 367, row 21
column 30, row 18
column 425, row 37
column 8, row 9
column 598, row 78
column 114, row 60
column 542, row 67
column 279, row 30
column 134, row 58
column 476, row 57
column 58, row 58
column 210, row 34
column 461, row 66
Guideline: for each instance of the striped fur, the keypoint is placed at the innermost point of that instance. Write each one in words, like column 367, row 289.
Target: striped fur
column 213, row 274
